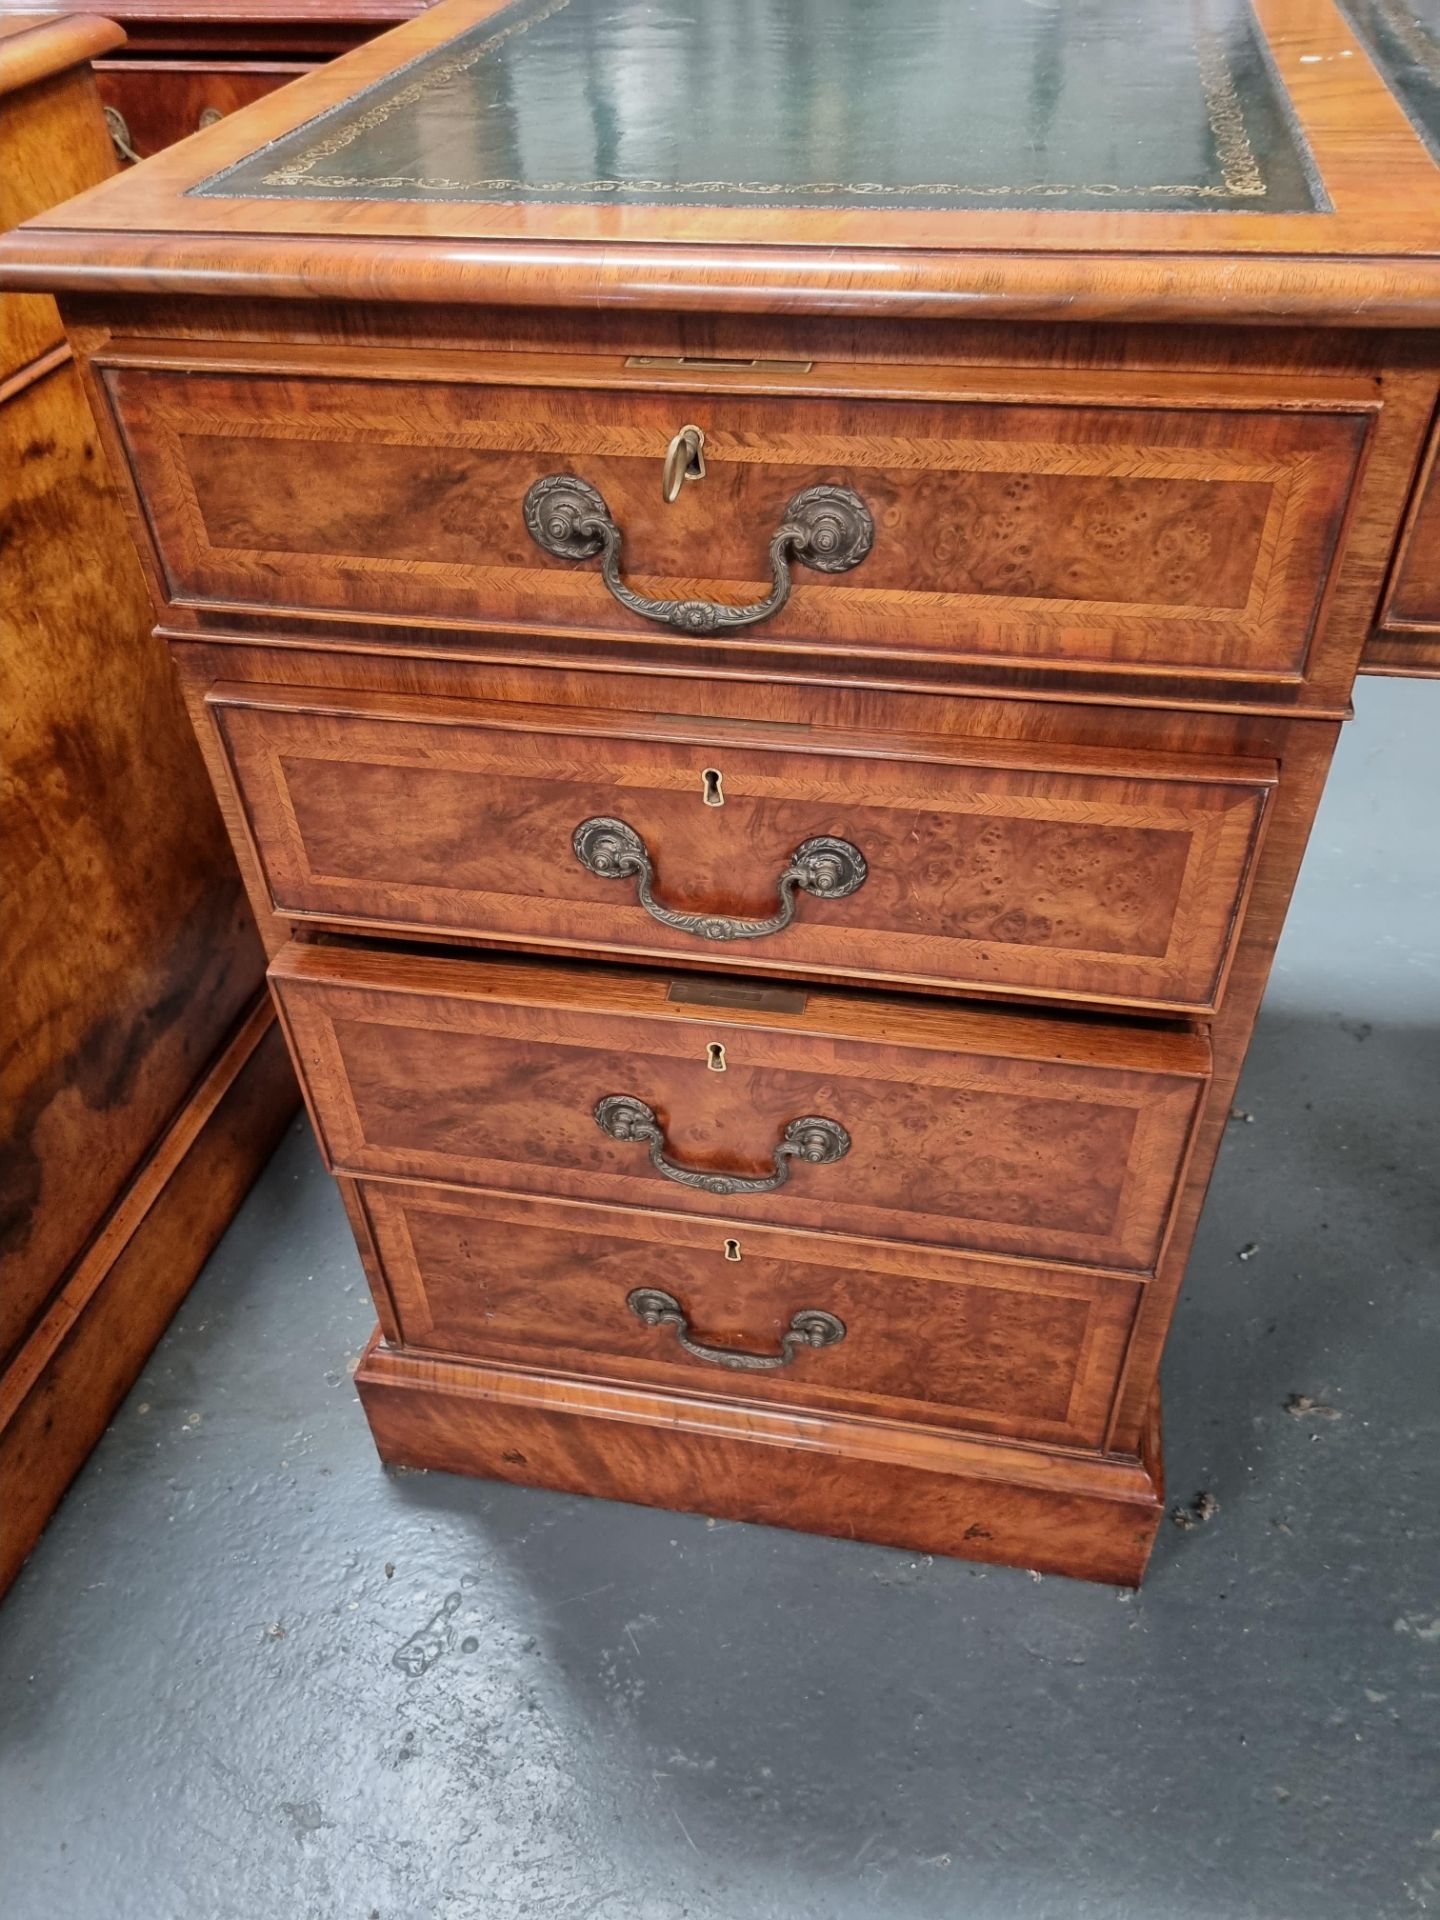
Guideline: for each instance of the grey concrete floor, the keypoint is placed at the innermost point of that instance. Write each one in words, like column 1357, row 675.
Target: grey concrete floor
column 249, row 1673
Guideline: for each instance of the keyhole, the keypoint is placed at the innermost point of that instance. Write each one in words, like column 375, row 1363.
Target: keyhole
column 715, row 1057
column 711, row 789
column 732, row 1249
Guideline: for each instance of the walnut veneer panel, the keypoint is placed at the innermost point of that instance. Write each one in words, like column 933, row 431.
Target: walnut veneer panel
column 925, row 1491
column 1088, row 875
column 974, row 1129
column 97, row 1333
column 1416, row 596
column 128, row 953
column 162, row 101
column 1407, row 639
column 142, row 1086
column 1192, row 538
column 53, row 143
column 930, row 1337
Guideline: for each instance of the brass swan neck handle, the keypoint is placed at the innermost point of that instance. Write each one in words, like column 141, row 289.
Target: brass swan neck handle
column 829, row 529
column 816, row 1141
column 811, row 1327
column 824, row 867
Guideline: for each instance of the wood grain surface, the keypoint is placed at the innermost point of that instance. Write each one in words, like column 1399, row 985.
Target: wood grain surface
column 53, row 144
column 1375, row 257
column 1076, row 708
column 164, row 100
column 1407, row 636
column 1392, row 385
column 974, row 1129
column 84, row 1355
column 927, row 1493
column 1086, row 876
column 39, row 49
column 933, row 1338
column 1197, row 538
column 143, row 1086
column 128, row 950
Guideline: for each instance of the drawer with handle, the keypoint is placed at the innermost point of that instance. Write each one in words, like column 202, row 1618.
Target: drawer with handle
column 1054, row 1138
column 744, row 1312
column 152, row 103
column 1040, row 518
column 920, row 861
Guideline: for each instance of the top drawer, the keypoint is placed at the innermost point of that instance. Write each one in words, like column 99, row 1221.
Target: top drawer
column 1193, row 535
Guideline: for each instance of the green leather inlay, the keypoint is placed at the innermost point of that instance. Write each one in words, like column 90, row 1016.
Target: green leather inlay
column 1127, row 104
column 1402, row 37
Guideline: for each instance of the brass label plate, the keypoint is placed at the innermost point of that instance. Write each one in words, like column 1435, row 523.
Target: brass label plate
column 703, row 364
column 737, row 993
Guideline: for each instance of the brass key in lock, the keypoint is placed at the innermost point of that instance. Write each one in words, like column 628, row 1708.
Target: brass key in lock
column 684, row 460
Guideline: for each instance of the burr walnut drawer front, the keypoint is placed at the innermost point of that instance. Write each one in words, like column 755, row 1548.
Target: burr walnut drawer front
column 727, row 1309
column 1055, row 1138
column 1192, row 532
column 937, row 863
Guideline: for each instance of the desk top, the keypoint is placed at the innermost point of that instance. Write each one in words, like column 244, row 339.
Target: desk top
column 938, row 104
column 1229, row 159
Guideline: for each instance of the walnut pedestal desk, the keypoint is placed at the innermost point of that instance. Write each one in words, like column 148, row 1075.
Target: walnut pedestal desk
column 768, row 592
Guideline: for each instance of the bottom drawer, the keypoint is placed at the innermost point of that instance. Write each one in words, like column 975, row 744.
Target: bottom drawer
column 867, row 1327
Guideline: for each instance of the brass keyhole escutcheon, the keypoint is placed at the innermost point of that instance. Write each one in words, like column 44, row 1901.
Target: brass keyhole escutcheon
column 732, row 1249
column 684, row 460
column 715, row 1057
column 712, row 788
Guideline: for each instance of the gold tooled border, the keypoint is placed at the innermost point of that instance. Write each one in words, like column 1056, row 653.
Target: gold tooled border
column 1241, row 174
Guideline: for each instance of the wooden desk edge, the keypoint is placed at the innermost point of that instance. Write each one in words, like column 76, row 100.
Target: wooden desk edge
column 40, row 47
column 1386, row 291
